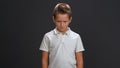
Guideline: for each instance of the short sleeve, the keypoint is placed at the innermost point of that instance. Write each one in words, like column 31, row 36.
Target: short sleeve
column 44, row 44
column 79, row 44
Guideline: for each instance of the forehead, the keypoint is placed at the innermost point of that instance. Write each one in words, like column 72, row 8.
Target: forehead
column 62, row 16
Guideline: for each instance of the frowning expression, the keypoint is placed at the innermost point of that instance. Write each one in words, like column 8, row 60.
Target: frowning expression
column 62, row 22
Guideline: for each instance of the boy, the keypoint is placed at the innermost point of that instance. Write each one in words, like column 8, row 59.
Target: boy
column 62, row 47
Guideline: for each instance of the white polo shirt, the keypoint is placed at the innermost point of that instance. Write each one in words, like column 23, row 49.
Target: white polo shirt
column 61, row 48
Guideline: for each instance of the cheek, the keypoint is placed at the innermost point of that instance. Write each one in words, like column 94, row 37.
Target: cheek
column 57, row 24
column 66, row 24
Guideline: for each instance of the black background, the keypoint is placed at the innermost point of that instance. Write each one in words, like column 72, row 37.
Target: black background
column 24, row 22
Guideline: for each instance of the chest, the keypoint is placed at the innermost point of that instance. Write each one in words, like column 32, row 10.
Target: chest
column 63, row 42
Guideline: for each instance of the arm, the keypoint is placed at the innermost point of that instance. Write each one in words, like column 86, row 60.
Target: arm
column 44, row 59
column 79, row 60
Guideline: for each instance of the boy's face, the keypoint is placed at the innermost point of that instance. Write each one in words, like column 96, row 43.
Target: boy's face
column 62, row 22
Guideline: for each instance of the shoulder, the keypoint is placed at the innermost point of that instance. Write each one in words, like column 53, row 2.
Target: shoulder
column 74, row 34
column 49, row 34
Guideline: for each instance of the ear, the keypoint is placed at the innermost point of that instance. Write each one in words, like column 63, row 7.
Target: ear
column 53, row 18
column 70, row 19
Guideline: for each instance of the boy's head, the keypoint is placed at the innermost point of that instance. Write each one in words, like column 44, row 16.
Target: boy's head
column 62, row 8
column 62, row 16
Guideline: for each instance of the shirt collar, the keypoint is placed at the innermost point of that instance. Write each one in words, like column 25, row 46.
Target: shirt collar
column 66, row 33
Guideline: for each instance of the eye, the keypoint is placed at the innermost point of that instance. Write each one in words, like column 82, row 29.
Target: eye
column 65, row 21
column 58, row 21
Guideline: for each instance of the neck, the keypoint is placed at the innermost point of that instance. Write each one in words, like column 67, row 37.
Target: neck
column 63, row 32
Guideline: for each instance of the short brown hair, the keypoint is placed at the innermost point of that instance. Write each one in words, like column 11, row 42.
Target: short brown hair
column 62, row 8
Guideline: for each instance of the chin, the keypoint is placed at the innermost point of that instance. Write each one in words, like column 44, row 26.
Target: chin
column 63, row 30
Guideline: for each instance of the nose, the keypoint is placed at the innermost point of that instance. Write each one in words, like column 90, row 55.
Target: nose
column 62, row 24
